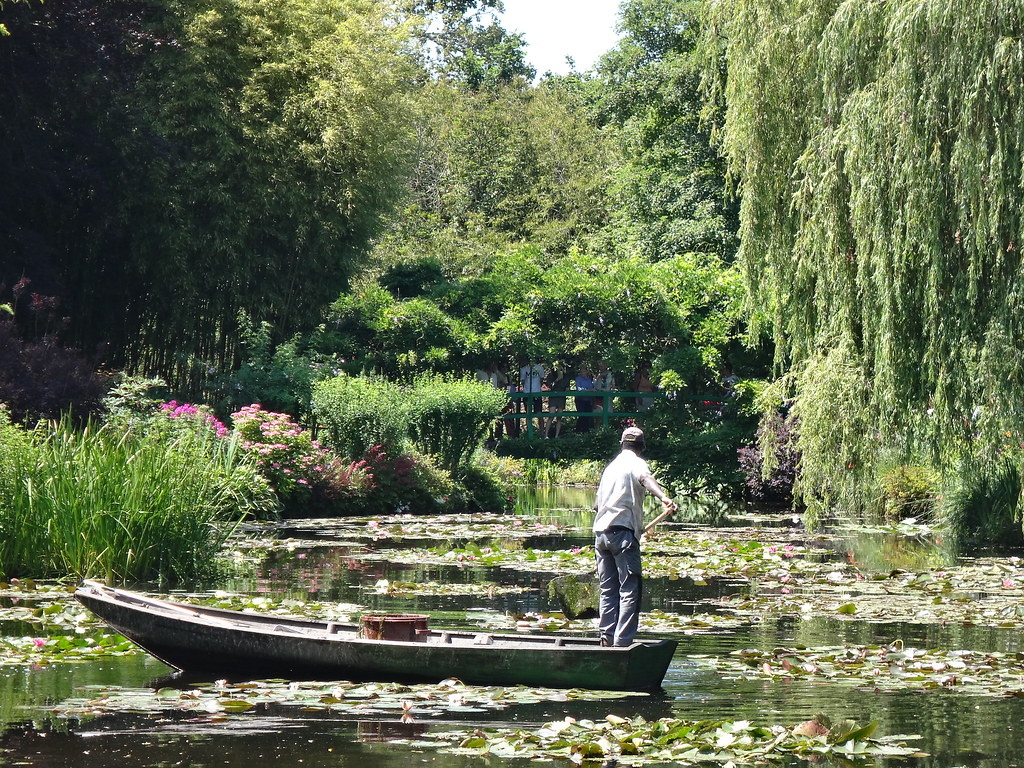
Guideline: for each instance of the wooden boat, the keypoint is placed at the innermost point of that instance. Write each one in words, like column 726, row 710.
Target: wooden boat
column 223, row 642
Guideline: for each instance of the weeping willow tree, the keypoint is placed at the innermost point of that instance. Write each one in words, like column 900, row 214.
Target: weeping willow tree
column 877, row 147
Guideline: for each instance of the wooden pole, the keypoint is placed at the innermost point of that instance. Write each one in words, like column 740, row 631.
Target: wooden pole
column 664, row 515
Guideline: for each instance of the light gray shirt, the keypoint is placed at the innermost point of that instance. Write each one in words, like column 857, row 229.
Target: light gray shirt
column 620, row 496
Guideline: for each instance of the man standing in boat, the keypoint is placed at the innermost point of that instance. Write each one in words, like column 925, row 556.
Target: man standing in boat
column 618, row 525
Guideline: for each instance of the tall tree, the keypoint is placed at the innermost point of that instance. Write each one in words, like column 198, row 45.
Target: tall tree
column 496, row 166
column 462, row 41
column 878, row 147
column 203, row 158
column 670, row 192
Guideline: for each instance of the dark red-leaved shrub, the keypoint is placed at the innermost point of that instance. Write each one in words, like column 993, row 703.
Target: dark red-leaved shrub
column 777, row 486
column 40, row 378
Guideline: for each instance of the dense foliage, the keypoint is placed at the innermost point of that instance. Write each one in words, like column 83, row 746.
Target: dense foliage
column 877, row 147
column 498, row 166
column 360, row 413
column 681, row 313
column 217, row 176
column 669, row 196
column 170, row 164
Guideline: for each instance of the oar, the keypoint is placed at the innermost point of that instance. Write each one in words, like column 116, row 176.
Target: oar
column 577, row 594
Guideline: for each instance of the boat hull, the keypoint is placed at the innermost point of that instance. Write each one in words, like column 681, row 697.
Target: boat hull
column 233, row 643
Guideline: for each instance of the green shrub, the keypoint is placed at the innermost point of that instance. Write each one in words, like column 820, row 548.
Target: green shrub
column 484, row 489
column 133, row 400
column 403, row 483
column 563, row 471
column 677, row 370
column 409, row 279
column 449, row 417
column 509, row 471
column 359, row 413
column 598, row 444
column 908, row 491
column 280, row 377
column 18, row 459
column 343, row 486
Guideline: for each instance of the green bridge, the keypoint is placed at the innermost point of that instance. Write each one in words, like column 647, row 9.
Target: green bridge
column 526, row 406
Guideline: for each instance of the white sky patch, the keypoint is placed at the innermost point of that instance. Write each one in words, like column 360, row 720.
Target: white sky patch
column 554, row 29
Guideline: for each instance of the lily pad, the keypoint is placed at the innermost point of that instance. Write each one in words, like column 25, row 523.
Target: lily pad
column 638, row 741
column 380, row 699
column 885, row 667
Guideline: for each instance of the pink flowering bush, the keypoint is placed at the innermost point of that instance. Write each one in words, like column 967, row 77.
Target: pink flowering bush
column 309, row 480
column 286, row 454
column 195, row 415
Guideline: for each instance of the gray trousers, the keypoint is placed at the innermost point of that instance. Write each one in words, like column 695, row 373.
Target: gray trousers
column 618, row 571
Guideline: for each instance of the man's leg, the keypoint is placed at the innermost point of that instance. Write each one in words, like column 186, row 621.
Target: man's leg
column 608, row 579
column 627, row 563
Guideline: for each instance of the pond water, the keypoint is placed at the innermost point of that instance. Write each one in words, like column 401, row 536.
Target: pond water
column 54, row 714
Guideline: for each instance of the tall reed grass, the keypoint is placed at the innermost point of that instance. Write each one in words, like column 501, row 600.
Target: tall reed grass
column 983, row 502
column 578, row 472
column 122, row 505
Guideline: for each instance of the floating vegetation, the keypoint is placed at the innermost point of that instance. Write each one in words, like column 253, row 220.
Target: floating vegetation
column 40, row 651
column 413, row 527
column 534, row 622
column 50, row 615
column 978, row 592
column 655, row 622
column 47, row 606
column 661, row 622
column 783, row 575
column 473, row 555
column 635, row 741
column 412, row 589
column 711, row 554
column 886, row 667
column 306, row 609
column 406, row 702
column 17, row 588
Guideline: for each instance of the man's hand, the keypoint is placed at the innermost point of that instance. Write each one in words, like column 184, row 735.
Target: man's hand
column 669, row 506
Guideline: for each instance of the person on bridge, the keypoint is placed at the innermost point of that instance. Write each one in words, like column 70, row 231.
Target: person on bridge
column 618, row 525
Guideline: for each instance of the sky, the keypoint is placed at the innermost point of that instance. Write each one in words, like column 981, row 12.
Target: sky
column 554, row 29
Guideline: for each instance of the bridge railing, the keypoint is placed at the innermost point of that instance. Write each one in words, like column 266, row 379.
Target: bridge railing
column 529, row 406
